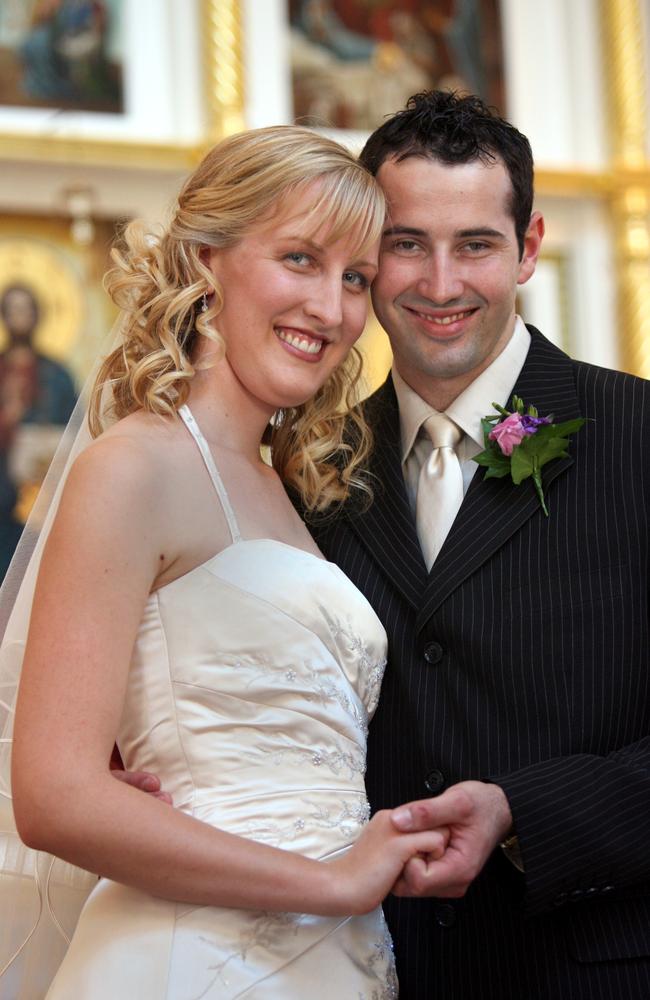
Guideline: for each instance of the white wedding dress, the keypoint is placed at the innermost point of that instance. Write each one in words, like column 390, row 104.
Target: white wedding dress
column 252, row 682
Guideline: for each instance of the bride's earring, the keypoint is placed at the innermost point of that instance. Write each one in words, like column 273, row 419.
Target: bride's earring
column 204, row 303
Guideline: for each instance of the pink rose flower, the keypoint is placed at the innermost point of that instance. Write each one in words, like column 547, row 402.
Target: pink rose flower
column 508, row 433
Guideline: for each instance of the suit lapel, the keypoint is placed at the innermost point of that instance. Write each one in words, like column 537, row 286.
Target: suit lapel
column 494, row 509
column 387, row 528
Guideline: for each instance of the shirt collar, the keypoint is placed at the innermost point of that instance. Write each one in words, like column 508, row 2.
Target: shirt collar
column 492, row 386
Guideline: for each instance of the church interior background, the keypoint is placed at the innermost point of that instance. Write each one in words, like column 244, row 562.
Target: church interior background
column 104, row 108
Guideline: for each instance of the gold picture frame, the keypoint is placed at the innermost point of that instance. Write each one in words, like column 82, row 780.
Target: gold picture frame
column 220, row 37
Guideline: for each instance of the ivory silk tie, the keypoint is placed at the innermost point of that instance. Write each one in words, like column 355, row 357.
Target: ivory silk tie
column 440, row 486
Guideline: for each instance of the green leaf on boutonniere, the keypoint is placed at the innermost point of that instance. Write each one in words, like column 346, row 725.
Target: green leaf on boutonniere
column 521, row 465
column 568, row 427
column 519, row 443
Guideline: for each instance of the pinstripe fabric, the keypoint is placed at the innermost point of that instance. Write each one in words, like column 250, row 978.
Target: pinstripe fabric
column 539, row 630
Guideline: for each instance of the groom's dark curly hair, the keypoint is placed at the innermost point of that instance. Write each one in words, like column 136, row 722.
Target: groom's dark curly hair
column 453, row 129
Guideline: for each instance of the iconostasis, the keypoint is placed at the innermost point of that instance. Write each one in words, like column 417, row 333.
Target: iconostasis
column 105, row 107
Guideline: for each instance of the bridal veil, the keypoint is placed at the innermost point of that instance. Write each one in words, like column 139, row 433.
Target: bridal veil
column 40, row 895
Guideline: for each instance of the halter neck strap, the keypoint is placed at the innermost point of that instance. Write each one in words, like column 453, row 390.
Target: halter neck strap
column 213, row 472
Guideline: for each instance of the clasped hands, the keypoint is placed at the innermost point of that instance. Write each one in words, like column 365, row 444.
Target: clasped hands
column 472, row 816
column 476, row 817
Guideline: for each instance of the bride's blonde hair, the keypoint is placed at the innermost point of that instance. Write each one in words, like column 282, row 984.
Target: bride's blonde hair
column 159, row 282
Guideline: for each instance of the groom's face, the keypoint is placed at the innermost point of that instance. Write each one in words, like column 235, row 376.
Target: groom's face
column 449, row 268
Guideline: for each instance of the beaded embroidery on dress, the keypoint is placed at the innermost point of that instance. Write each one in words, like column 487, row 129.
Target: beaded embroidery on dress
column 251, row 685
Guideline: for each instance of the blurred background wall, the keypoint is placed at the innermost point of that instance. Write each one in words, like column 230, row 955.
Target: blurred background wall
column 105, row 107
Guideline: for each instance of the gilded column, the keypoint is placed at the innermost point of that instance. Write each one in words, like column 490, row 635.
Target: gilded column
column 625, row 83
column 224, row 67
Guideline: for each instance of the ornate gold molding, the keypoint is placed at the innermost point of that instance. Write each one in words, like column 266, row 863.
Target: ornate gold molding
column 631, row 210
column 97, row 152
column 220, row 32
column 624, row 65
column 573, row 183
column 623, row 61
column 224, row 67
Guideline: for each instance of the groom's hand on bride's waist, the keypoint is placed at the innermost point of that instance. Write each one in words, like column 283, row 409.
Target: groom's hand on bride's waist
column 141, row 780
column 478, row 817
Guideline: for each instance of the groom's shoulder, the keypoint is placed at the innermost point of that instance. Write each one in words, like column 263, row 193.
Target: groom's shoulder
column 605, row 390
column 613, row 393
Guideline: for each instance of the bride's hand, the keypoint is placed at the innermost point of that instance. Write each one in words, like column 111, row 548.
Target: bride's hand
column 368, row 871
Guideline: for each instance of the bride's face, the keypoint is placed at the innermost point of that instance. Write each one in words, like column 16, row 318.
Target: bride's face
column 294, row 303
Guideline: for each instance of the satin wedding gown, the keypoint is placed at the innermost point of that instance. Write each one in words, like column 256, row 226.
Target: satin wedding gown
column 251, row 685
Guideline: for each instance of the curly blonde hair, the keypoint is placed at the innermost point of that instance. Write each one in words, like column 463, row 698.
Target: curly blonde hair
column 158, row 281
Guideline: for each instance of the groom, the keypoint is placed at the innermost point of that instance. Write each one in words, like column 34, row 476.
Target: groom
column 517, row 689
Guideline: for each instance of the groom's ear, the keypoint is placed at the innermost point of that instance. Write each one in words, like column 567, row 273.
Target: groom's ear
column 532, row 245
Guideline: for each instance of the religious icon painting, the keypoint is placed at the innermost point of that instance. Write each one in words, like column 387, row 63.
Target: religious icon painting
column 53, row 316
column 64, row 54
column 355, row 61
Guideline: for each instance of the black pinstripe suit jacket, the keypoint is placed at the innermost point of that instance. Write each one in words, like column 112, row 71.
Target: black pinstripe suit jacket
column 523, row 658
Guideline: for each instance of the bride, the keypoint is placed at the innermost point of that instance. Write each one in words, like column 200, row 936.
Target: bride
column 183, row 610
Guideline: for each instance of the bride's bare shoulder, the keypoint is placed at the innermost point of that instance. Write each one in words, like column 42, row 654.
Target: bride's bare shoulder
column 145, row 429
column 142, row 452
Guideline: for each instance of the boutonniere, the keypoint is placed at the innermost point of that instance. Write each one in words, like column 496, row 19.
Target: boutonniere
column 520, row 442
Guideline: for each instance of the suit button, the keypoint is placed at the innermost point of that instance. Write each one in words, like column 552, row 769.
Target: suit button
column 560, row 899
column 433, row 652
column 576, row 895
column 607, row 890
column 591, row 892
column 445, row 915
column 434, row 781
